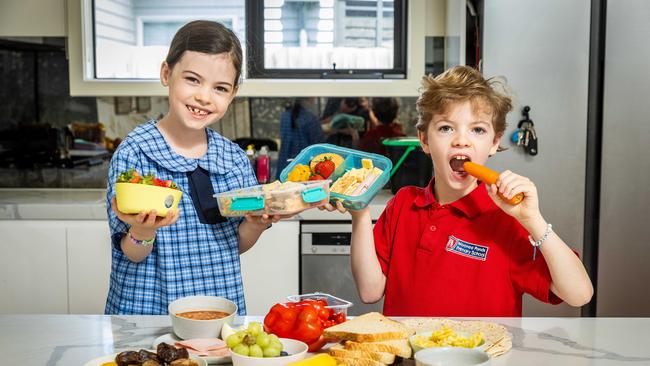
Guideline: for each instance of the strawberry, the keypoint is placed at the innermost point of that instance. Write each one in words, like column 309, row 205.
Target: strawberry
column 325, row 168
column 159, row 183
column 316, row 177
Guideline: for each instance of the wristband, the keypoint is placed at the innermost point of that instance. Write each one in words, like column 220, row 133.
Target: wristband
column 535, row 244
column 144, row 243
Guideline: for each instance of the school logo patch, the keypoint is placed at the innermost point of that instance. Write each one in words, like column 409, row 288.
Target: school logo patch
column 467, row 249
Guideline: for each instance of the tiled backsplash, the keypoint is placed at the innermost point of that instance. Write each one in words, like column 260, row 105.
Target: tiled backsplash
column 246, row 117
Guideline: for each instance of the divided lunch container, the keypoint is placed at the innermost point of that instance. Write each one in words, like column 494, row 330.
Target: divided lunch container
column 256, row 200
column 352, row 159
column 333, row 302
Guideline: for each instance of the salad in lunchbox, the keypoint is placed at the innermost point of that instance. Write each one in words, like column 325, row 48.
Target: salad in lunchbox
column 137, row 193
column 132, row 176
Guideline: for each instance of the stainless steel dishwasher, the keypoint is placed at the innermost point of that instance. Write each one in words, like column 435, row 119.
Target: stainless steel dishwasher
column 325, row 264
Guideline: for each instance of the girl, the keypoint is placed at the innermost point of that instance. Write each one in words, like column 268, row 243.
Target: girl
column 156, row 260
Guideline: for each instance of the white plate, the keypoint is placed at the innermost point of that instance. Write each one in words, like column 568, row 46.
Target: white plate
column 171, row 338
column 108, row 358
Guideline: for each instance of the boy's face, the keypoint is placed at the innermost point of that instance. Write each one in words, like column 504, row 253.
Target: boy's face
column 460, row 134
column 201, row 86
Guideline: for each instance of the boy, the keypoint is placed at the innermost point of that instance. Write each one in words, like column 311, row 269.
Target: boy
column 455, row 248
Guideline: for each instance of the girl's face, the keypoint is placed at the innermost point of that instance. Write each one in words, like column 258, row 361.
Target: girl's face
column 201, row 86
column 460, row 134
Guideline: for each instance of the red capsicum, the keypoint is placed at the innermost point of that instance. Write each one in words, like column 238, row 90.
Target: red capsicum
column 303, row 320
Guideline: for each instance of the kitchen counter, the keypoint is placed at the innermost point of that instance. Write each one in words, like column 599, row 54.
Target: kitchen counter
column 89, row 204
column 75, row 339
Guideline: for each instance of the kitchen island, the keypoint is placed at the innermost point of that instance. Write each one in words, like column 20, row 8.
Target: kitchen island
column 75, row 339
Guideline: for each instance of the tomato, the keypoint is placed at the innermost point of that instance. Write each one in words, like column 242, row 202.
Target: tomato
column 339, row 318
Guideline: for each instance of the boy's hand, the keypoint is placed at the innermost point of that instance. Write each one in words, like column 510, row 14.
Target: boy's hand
column 145, row 221
column 510, row 184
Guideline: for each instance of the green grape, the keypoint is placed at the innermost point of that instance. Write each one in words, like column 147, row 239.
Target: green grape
column 255, row 351
column 233, row 340
column 249, row 340
column 272, row 352
column 254, row 328
column 273, row 336
column 275, row 343
column 241, row 349
column 263, row 340
column 241, row 334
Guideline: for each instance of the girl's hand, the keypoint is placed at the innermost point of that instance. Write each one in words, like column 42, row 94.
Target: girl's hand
column 510, row 184
column 145, row 220
column 331, row 208
column 265, row 220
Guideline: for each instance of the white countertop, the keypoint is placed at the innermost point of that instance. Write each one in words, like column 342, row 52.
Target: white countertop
column 89, row 204
column 75, row 339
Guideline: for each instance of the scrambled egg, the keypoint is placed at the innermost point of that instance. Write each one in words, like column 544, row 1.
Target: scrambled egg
column 446, row 337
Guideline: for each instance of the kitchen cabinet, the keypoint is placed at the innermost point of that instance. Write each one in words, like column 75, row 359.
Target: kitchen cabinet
column 63, row 266
column 89, row 266
column 32, row 18
column 270, row 268
column 33, row 273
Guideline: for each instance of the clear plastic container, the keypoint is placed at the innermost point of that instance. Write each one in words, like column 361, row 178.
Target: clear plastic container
column 274, row 198
column 352, row 160
column 333, row 302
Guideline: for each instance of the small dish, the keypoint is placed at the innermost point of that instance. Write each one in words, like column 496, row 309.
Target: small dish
column 171, row 338
column 190, row 328
column 99, row 361
column 416, row 348
column 296, row 350
column 457, row 356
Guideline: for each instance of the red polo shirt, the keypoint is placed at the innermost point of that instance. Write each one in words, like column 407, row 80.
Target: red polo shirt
column 466, row 258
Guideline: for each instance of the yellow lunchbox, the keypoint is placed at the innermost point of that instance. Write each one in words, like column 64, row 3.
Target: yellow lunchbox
column 133, row 198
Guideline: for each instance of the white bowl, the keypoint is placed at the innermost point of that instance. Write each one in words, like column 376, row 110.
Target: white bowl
column 438, row 356
column 296, row 350
column 190, row 328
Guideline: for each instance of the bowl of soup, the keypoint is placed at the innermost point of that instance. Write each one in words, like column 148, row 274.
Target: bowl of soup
column 201, row 316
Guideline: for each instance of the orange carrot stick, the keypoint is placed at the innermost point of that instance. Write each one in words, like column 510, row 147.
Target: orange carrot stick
column 489, row 176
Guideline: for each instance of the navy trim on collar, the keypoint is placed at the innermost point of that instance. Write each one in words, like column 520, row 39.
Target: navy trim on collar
column 218, row 159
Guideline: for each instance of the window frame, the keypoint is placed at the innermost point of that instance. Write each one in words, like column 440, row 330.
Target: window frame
column 254, row 9
column 83, row 83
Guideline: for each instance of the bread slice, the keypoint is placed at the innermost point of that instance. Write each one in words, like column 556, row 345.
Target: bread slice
column 370, row 327
column 398, row 347
column 383, row 357
column 349, row 361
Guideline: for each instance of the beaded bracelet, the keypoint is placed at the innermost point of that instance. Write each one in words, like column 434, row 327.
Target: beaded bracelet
column 535, row 244
column 144, row 243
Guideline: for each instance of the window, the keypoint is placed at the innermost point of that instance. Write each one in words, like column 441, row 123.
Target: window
column 363, row 39
column 132, row 37
column 121, row 41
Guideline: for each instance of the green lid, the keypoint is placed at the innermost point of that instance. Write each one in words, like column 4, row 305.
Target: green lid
column 402, row 141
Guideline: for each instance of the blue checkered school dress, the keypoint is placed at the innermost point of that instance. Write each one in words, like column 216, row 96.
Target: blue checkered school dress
column 189, row 257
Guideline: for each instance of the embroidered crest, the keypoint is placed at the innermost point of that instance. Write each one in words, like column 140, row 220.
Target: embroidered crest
column 466, row 249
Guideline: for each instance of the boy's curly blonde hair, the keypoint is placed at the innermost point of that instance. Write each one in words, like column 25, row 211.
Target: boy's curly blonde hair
column 460, row 84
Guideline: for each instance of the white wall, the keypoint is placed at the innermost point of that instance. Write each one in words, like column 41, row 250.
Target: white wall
column 542, row 47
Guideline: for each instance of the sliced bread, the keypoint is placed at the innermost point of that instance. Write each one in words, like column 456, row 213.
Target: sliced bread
column 398, row 347
column 349, row 361
column 383, row 357
column 370, row 327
